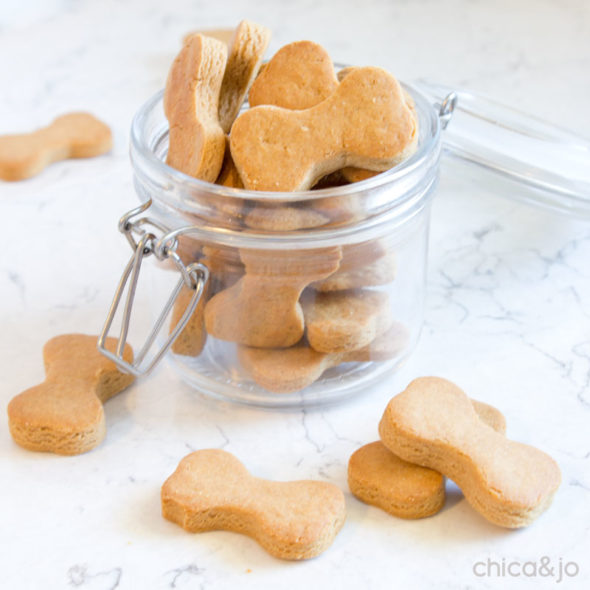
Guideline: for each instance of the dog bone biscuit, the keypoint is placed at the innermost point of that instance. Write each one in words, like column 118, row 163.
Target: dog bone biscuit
column 192, row 338
column 299, row 76
column 364, row 123
column 433, row 423
column 211, row 490
column 285, row 370
column 262, row 309
column 352, row 174
column 283, row 218
column 378, row 477
column 191, row 99
column 378, row 272
column 222, row 208
column 247, row 49
column 367, row 264
column 64, row 414
column 341, row 321
column 229, row 175
column 75, row 135
column 223, row 35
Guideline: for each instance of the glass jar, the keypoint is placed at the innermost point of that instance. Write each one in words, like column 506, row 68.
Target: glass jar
column 290, row 299
column 311, row 296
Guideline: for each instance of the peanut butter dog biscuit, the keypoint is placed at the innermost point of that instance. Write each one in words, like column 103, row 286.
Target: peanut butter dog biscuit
column 341, row 209
column 433, row 423
column 75, row 135
column 378, row 272
column 285, row 370
column 211, row 490
column 299, row 76
column 223, row 35
column 225, row 209
column 378, row 477
column 224, row 264
column 192, row 338
column 367, row 264
column 229, row 175
column 352, row 174
column 191, row 99
column 342, row 321
column 64, row 414
column 262, row 308
column 283, row 218
column 364, row 123
column 245, row 56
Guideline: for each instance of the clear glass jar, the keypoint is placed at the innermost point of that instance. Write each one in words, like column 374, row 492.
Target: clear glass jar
column 312, row 296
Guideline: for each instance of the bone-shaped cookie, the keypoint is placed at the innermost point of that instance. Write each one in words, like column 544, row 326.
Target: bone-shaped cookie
column 286, row 370
column 247, row 48
column 228, row 176
column 366, row 264
column 262, row 309
column 283, row 218
column 364, row 123
column 192, row 338
column 222, row 209
column 378, row 477
column 342, row 321
column 64, row 414
column 299, row 76
column 223, row 35
column 225, row 268
column 433, row 423
column 75, row 135
column 211, row 490
column 191, row 99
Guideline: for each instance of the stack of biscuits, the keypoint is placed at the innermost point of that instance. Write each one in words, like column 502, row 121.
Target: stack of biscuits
column 292, row 313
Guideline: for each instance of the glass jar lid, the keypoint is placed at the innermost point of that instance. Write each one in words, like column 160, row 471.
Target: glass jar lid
column 550, row 165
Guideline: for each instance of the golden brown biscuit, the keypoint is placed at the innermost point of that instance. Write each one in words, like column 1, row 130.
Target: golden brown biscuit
column 342, row 321
column 378, row 477
column 223, row 35
column 262, row 309
column 64, row 415
column 340, row 209
column 364, row 123
column 191, row 99
column 433, row 423
column 247, row 49
column 229, row 175
column 211, row 490
column 192, row 338
column 285, row 370
column 352, row 174
column 283, row 218
column 75, row 135
column 299, row 76
column 367, row 264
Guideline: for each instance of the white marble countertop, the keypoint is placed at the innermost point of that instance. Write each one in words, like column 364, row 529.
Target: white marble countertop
column 507, row 312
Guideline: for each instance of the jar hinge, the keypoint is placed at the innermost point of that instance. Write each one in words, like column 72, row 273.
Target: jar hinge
column 144, row 243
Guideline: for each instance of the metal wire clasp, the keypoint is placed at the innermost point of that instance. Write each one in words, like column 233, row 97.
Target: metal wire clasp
column 145, row 243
